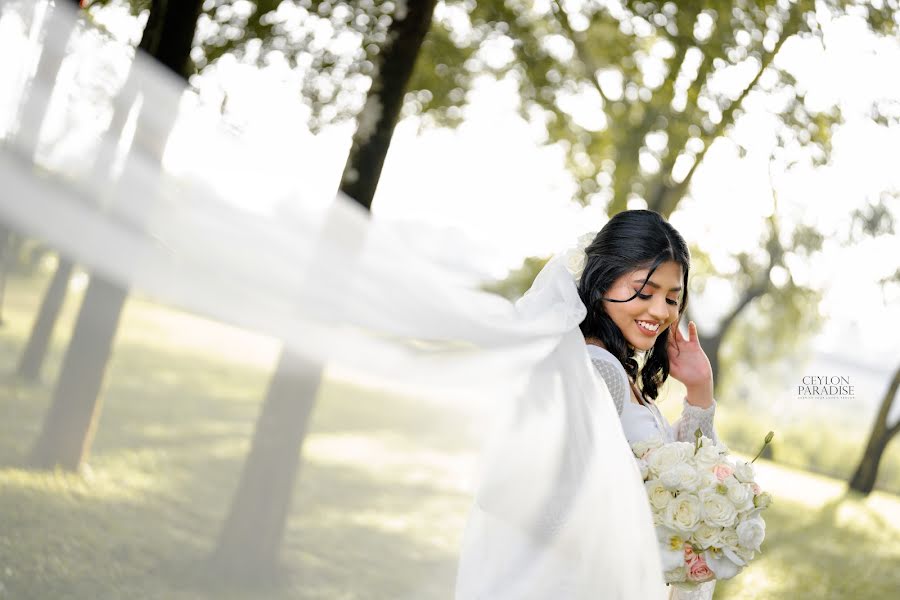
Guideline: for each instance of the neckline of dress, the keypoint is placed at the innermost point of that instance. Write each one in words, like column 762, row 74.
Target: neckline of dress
column 603, row 350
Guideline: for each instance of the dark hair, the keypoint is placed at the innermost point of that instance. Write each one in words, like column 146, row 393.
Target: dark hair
column 631, row 240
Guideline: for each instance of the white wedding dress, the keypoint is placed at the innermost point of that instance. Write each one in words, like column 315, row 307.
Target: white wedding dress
column 641, row 422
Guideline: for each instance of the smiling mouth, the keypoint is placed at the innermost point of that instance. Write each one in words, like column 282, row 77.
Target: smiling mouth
column 648, row 327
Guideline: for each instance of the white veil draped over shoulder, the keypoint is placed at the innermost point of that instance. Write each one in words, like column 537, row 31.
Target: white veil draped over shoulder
column 559, row 510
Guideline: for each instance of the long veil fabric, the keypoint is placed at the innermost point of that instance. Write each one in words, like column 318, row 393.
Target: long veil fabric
column 559, row 511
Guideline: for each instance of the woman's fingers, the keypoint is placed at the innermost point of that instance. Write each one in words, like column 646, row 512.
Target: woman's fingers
column 676, row 334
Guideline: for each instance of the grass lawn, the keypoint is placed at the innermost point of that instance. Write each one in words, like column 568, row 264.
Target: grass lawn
column 379, row 505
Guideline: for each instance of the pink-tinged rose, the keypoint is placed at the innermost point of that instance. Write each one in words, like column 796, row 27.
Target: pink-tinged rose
column 722, row 472
column 756, row 489
column 689, row 554
column 698, row 571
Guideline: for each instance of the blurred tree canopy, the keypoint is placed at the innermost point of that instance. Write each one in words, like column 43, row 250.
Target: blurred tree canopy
column 636, row 92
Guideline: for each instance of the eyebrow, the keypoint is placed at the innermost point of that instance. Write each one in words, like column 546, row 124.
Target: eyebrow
column 656, row 285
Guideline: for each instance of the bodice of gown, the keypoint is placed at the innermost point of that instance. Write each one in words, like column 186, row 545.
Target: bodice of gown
column 641, row 422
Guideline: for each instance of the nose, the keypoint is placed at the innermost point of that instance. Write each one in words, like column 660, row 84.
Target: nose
column 658, row 309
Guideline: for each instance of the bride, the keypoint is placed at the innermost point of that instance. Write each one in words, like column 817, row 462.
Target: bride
column 634, row 290
column 635, row 282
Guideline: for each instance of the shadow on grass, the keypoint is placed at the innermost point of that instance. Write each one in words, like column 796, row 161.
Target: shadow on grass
column 351, row 534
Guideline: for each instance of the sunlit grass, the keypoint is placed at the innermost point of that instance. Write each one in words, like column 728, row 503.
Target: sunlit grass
column 822, row 542
column 380, row 502
column 378, row 509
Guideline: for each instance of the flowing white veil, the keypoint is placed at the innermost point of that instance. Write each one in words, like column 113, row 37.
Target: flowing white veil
column 560, row 511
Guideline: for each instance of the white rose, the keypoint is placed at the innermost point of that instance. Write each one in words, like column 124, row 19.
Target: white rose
column 729, row 538
column 705, row 441
column 708, row 479
column 682, row 513
column 707, row 456
column 707, row 535
column 743, row 472
column 681, row 477
column 575, row 259
column 751, row 533
column 740, row 494
column 717, row 509
column 722, row 566
column 644, row 446
column 643, row 468
column 658, row 494
column 676, row 575
column 667, row 456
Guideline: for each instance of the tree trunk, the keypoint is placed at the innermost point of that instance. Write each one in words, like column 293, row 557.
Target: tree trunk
column 866, row 473
column 384, row 102
column 32, row 360
column 68, row 428
column 60, row 26
column 712, row 345
column 251, row 536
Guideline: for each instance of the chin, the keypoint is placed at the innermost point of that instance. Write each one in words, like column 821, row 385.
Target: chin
column 643, row 346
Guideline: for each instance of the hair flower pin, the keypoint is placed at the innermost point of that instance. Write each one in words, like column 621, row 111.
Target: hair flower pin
column 575, row 256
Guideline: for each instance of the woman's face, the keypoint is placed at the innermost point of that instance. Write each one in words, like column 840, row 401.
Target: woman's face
column 642, row 319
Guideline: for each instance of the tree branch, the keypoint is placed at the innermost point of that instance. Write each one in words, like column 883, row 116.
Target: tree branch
column 583, row 55
column 728, row 114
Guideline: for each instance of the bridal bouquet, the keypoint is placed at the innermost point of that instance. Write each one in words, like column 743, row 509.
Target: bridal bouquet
column 706, row 508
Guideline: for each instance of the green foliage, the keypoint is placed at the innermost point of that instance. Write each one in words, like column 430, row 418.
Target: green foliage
column 517, row 282
column 773, row 327
column 874, row 220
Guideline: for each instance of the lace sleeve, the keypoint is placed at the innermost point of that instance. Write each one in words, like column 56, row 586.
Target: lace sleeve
column 693, row 417
column 616, row 381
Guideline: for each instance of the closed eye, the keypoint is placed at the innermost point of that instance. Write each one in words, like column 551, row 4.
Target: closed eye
column 648, row 296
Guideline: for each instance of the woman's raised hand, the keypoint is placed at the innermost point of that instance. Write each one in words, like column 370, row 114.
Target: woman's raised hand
column 690, row 365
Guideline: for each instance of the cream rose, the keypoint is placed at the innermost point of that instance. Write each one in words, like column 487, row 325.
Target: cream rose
column 667, row 456
column 681, row 477
column 707, row 456
column 676, row 575
column 729, row 538
column 717, row 509
column 751, row 533
column 743, row 472
column 740, row 494
column 707, row 535
column 682, row 513
column 644, row 446
column 658, row 494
